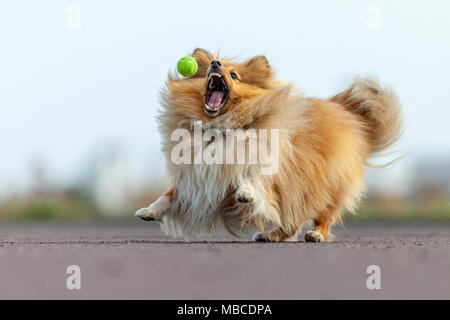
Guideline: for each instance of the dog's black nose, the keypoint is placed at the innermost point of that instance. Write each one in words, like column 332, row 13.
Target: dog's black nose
column 215, row 64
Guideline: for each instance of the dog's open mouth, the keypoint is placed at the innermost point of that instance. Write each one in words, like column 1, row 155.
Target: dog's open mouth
column 216, row 93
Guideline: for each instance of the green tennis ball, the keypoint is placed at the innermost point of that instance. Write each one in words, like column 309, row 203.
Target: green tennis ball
column 187, row 66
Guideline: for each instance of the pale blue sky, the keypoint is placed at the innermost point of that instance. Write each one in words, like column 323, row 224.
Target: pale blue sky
column 65, row 93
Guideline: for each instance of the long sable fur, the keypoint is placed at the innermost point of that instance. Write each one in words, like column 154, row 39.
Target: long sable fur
column 324, row 147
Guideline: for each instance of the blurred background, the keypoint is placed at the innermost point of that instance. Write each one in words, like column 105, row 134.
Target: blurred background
column 79, row 83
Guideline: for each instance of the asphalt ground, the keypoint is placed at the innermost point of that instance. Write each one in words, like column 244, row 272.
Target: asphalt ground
column 134, row 260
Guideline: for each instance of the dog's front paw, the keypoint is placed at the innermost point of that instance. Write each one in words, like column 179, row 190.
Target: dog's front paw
column 261, row 237
column 245, row 194
column 245, row 198
column 314, row 236
column 148, row 214
column 154, row 212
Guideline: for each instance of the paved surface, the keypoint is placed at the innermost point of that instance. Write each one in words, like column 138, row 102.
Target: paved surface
column 136, row 261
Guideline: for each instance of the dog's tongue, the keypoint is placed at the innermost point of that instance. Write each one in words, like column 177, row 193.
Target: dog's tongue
column 216, row 99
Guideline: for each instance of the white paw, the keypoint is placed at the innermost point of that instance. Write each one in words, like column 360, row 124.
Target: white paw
column 147, row 214
column 314, row 236
column 155, row 210
column 261, row 237
column 245, row 194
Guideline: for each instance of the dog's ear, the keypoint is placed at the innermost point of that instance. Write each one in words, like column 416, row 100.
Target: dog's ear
column 259, row 65
column 257, row 71
column 203, row 59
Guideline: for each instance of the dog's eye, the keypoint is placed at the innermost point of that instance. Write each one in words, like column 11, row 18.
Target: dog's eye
column 233, row 75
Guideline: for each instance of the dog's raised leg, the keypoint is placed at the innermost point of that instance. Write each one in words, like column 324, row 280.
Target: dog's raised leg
column 156, row 209
column 245, row 193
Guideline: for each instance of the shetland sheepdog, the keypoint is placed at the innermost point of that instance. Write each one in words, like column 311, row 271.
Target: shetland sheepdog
column 322, row 149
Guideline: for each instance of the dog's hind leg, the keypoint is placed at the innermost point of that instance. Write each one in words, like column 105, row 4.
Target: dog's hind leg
column 278, row 235
column 282, row 234
column 322, row 223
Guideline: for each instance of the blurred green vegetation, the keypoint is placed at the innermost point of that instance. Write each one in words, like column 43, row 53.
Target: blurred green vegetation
column 71, row 204
column 406, row 211
column 77, row 204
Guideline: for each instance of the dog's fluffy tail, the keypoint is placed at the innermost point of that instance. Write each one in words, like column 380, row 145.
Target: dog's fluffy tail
column 378, row 108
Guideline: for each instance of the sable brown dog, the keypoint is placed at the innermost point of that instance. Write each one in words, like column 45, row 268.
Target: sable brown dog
column 322, row 149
